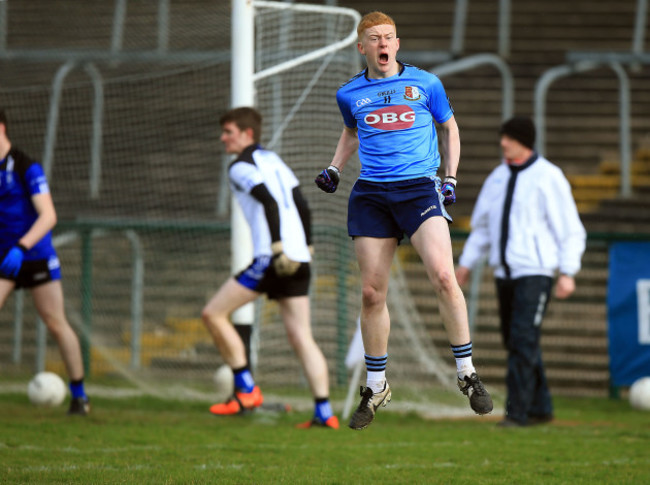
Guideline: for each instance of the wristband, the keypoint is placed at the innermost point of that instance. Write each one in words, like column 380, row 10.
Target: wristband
column 22, row 247
column 332, row 167
column 450, row 179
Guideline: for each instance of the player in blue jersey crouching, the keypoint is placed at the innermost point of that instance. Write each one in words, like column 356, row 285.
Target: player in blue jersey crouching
column 27, row 256
column 388, row 112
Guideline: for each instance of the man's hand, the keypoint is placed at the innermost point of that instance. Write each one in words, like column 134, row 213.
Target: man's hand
column 13, row 260
column 328, row 179
column 281, row 263
column 564, row 287
column 448, row 190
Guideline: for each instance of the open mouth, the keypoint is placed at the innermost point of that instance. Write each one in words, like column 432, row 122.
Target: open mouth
column 383, row 58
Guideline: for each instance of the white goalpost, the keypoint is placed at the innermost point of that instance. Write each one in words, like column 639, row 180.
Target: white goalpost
column 243, row 83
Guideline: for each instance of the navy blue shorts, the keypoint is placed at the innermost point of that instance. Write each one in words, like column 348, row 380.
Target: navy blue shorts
column 260, row 276
column 392, row 209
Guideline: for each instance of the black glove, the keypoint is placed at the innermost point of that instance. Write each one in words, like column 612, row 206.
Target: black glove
column 328, row 179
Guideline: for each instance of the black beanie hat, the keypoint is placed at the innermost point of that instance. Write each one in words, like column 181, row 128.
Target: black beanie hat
column 520, row 128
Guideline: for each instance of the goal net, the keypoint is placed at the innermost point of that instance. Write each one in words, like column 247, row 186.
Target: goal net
column 129, row 137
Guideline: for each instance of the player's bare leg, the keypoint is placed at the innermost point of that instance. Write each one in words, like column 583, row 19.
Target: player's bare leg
column 6, row 287
column 296, row 315
column 433, row 243
column 48, row 300
column 375, row 256
column 216, row 317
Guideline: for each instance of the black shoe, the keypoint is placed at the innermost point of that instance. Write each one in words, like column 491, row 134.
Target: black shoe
column 479, row 398
column 79, row 406
column 537, row 419
column 370, row 401
column 510, row 423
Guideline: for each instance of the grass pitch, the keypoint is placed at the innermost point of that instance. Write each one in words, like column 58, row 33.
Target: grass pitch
column 147, row 440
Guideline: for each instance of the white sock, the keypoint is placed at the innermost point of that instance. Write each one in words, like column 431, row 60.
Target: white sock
column 464, row 367
column 375, row 380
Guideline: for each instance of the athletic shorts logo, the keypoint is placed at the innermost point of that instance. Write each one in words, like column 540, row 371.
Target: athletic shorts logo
column 411, row 93
column 427, row 210
column 391, row 118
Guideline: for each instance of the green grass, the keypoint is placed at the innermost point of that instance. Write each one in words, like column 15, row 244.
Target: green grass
column 147, row 440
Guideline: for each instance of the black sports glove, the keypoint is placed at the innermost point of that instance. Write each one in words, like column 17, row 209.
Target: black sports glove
column 328, row 179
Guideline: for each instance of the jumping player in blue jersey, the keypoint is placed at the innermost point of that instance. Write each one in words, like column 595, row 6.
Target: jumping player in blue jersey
column 27, row 256
column 389, row 110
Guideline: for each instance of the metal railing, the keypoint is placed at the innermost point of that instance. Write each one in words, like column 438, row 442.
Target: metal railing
column 541, row 91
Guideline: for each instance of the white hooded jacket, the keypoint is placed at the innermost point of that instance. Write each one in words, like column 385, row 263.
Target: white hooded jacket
column 545, row 232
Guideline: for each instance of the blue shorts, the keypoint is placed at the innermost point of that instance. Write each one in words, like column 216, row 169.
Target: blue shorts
column 392, row 209
column 260, row 276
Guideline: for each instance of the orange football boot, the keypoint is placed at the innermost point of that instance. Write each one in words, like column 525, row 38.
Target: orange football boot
column 239, row 403
column 331, row 422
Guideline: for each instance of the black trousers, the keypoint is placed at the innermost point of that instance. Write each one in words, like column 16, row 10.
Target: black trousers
column 522, row 305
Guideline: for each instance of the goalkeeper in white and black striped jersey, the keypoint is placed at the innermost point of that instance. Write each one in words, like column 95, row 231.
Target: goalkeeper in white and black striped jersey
column 280, row 222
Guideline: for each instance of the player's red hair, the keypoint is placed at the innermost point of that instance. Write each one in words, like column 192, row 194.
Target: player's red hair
column 374, row 18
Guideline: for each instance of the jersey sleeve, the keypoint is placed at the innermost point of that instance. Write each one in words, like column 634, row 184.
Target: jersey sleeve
column 439, row 104
column 35, row 180
column 245, row 175
column 344, row 106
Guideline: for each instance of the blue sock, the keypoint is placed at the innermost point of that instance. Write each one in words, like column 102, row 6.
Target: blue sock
column 243, row 379
column 77, row 389
column 323, row 410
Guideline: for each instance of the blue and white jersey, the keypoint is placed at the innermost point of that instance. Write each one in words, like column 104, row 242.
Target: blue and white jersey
column 20, row 179
column 394, row 121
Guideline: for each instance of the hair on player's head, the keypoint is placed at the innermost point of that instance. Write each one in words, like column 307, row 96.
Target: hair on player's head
column 244, row 117
column 374, row 18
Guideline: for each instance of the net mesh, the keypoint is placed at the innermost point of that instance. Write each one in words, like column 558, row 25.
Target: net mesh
column 143, row 236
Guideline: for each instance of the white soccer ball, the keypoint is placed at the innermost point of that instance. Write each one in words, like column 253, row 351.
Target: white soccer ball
column 224, row 380
column 46, row 389
column 640, row 394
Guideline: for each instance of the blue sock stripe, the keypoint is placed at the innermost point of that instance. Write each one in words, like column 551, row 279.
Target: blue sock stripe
column 376, row 364
column 371, row 358
column 462, row 350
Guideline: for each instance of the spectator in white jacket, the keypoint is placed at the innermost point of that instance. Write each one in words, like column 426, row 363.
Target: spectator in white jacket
column 527, row 223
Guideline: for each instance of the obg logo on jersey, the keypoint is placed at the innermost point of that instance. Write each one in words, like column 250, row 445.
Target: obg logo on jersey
column 391, row 118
